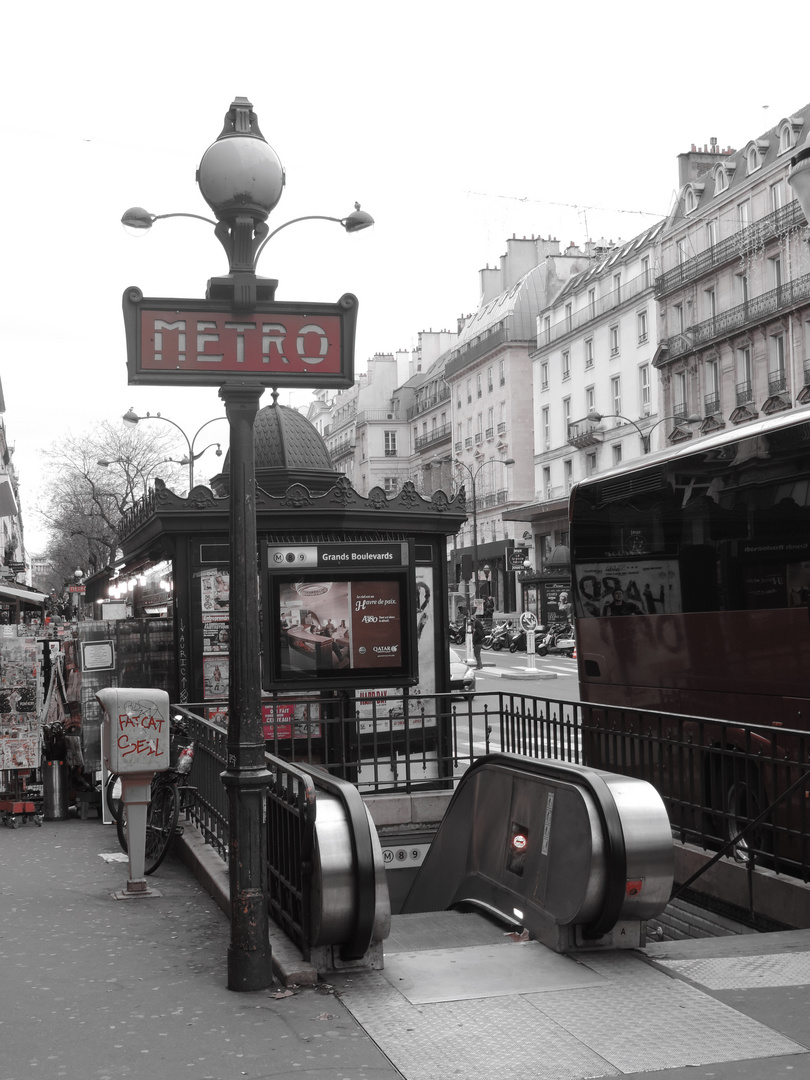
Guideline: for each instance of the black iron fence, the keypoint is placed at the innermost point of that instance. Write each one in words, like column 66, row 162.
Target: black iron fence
column 738, row 790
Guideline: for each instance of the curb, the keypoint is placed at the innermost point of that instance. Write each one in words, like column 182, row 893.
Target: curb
column 289, row 966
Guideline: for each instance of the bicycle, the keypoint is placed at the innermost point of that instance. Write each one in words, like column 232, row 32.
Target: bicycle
column 167, row 795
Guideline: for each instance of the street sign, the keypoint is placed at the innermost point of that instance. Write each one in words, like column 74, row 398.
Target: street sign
column 205, row 343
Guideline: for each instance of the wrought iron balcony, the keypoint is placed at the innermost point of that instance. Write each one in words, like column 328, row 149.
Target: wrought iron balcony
column 437, row 434
column 730, row 248
column 751, row 313
column 582, row 433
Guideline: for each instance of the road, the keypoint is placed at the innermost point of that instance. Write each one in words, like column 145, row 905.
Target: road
column 506, row 673
column 556, row 675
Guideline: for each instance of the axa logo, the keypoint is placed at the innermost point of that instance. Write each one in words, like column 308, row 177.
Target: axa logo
column 385, row 649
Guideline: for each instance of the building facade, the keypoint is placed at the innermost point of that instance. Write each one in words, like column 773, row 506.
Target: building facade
column 734, row 290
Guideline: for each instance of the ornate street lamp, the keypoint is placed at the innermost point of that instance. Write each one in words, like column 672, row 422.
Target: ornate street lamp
column 131, row 418
column 594, row 417
column 473, row 474
column 242, row 179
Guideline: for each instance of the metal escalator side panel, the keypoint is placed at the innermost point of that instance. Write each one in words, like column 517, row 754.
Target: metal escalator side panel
column 649, row 851
column 349, row 908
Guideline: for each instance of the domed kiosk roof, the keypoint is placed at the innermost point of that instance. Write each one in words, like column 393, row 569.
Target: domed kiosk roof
column 289, row 450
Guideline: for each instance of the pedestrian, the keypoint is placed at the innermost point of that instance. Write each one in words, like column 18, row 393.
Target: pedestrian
column 477, row 640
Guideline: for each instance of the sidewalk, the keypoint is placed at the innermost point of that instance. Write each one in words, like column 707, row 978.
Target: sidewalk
column 111, row 989
column 135, row 989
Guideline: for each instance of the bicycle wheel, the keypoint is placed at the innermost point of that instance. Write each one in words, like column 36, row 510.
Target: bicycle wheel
column 161, row 822
column 112, row 794
column 164, row 810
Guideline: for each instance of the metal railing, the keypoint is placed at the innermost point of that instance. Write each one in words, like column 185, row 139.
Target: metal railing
column 751, row 313
column 742, row 789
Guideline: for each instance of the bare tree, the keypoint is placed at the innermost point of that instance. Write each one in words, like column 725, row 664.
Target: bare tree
column 94, row 479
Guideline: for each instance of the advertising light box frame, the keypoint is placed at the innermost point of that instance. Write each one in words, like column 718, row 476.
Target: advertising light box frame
column 339, row 615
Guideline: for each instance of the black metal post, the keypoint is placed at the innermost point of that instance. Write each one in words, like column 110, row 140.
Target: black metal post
column 246, row 778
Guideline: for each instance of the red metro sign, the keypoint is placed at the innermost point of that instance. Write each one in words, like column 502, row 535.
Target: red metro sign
column 204, row 343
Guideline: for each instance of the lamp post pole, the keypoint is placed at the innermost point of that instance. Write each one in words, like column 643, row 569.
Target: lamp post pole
column 473, row 474
column 241, row 178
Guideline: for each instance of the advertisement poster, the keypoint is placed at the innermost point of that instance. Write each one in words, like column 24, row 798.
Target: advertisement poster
column 341, row 624
column 291, row 720
column 216, row 634
column 19, row 726
column 628, row 587
column 215, row 590
column 215, row 677
column 383, row 709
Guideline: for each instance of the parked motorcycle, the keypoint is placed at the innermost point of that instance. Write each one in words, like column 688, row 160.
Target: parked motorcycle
column 517, row 639
column 499, row 636
column 458, row 631
column 559, row 638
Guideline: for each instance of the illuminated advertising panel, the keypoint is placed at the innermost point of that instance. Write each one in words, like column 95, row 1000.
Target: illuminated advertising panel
column 339, row 614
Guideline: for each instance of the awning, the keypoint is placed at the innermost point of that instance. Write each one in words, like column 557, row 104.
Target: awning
column 36, row 598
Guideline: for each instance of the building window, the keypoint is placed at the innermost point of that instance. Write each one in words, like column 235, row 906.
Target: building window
column 479, row 428
column 720, row 180
column 677, row 311
column 566, row 364
column 617, row 453
column 568, row 474
column 390, row 444
column 592, row 302
column 489, row 379
column 546, row 427
column 710, row 296
column 469, row 391
column 501, row 417
column 566, row 414
column 478, row 387
column 776, row 374
column 711, row 233
column 589, row 353
column 613, row 336
column 777, row 196
column 590, row 400
column 547, row 492
column 502, row 372
column 785, row 138
column 679, row 394
column 744, row 382
column 741, row 286
column 753, row 159
column 391, row 484
column 590, row 464
column 490, row 422
column 547, row 328
column 544, row 375
column 642, row 327
column 616, row 393
column 683, row 252
column 617, row 288
column 568, row 317
column 645, row 269
column 776, row 272
column 744, row 214
column 711, row 403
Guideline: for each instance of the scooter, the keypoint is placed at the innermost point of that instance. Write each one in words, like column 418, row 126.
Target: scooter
column 499, row 636
column 517, row 639
column 559, row 638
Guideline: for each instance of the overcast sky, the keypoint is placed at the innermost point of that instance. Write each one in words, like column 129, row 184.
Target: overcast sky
column 454, row 124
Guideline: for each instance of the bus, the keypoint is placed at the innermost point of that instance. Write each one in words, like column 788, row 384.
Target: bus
column 705, row 548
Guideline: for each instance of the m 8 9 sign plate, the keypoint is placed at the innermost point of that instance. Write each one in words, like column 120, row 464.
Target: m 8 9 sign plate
column 204, row 343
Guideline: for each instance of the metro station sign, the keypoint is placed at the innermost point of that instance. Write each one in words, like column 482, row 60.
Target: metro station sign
column 205, row 343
